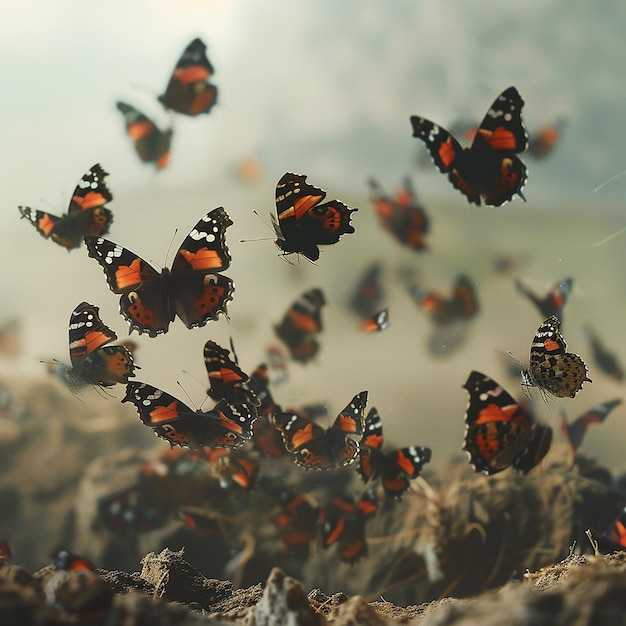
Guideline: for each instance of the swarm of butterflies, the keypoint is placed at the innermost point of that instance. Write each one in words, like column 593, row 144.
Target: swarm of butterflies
column 247, row 427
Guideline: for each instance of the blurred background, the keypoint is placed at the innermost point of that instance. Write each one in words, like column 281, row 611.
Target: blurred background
column 324, row 89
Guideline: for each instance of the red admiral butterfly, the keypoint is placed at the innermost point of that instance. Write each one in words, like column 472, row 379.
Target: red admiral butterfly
column 575, row 432
column 369, row 292
column 227, row 379
column 498, row 432
column 151, row 143
column 552, row 369
column 194, row 289
column 303, row 223
column 225, row 426
column 296, row 522
column 378, row 321
column 343, row 522
column 403, row 217
column 489, row 168
column 553, row 302
column 300, row 324
column 607, row 361
column 396, row 468
column 542, row 142
column 463, row 305
column 86, row 215
column 233, row 467
column 188, row 91
column 93, row 362
column 315, row 447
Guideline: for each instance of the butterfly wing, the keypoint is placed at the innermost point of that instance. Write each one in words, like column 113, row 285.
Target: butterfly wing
column 200, row 292
column 369, row 450
column 188, row 91
column 144, row 301
column 151, row 143
column 86, row 215
column 497, row 429
column 305, row 440
column 400, row 467
column 93, row 361
column 575, row 432
column 303, row 223
column 226, row 426
column 500, row 174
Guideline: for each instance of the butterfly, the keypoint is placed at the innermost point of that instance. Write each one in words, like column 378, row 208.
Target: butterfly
column 343, row 522
column 300, row 324
column 462, row 305
column 93, row 361
column 499, row 433
column 151, row 143
column 86, row 214
column 396, row 468
column 377, row 322
column 296, row 521
column 490, row 168
column 208, row 525
column 237, row 467
column 228, row 381
column 552, row 369
column 575, row 431
column 314, row 447
column 542, row 142
column 194, row 289
column 369, row 293
column 606, row 360
column 303, row 223
column 403, row 217
column 553, row 302
column 225, row 426
column 188, row 91
column 126, row 512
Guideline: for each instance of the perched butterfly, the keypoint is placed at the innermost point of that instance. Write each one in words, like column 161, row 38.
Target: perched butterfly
column 553, row 302
column 396, row 468
column 499, row 433
column 315, row 447
column 403, row 216
column 490, row 168
column 575, row 431
column 463, row 305
column 194, row 289
column 301, row 323
column 542, row 142
column 86, row 215
column 227, row 379
column 368, row 295
column 225, row 426
column 606, row 360
column 151, row 143
column 552, row 369
column 188, row 91
column 378, row 321
column 343, row 523
column 296, row 521
column 93, row 362
column 303, row 223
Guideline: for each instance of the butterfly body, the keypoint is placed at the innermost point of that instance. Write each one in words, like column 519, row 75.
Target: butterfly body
column 489, row 170
column 188, row 91
column 315, row 447
column 225, row 426
column 552, row 369
column 302, row 223
column 194, row 289
column 87, row 213
column 499, row 433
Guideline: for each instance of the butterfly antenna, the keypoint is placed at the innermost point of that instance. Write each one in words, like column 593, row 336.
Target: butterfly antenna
column 169, row 248
column 262, row 238
column 194, row 378
column 232, row 349
column 193, row 404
